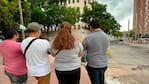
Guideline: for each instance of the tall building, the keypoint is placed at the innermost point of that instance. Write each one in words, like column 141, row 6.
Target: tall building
column 80, row 4
column 141, row 16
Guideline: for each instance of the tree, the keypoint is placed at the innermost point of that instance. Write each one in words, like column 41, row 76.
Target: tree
column 9, row 14
column 70, row 14
column 132, row 33
column 108, row 22
column 56, row 14
column 117, row 34
column 26, row 8
column 37, row 15
column 46, row 12
column 7, row 11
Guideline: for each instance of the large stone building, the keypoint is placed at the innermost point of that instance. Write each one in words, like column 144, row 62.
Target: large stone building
column 80, row 4
column 141, row 17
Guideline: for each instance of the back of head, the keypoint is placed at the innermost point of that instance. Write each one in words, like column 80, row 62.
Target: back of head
column 95, row 23
column 9, row 33
column 33, row 27
column 66, row 25
column 64, row 40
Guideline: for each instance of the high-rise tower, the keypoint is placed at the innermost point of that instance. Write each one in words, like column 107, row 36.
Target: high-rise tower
column 141, row 16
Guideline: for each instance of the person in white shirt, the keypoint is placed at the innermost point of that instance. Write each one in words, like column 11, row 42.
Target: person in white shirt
column 37, row 58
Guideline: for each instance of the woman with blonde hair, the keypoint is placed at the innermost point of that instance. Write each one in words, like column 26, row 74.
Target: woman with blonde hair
column 67, row 52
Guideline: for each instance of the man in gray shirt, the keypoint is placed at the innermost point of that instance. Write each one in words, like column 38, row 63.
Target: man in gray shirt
column 96, row 45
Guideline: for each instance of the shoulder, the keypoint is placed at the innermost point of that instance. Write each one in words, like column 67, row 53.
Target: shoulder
column 77, row 41
column 43, row 41
column 17, row 43
column 90, row 35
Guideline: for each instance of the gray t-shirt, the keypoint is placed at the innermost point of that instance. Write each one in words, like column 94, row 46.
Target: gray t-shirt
column 96, row 45
column 67, row 60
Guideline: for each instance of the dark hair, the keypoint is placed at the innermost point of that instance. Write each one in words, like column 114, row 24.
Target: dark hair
column 8, row 33
column 95, row 23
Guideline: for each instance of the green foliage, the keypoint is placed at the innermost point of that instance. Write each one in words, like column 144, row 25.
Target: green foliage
column 70, row 14
column 56, row 14
column 9, row 14
column 132, row 33
column 117, row 34
column 108, row 22
column 37, row 15
column 26, row 12
column 46, row 12
column 7, row 11
column 52, row 14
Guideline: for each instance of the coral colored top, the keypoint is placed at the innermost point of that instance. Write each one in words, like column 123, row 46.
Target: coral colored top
column 14, row 60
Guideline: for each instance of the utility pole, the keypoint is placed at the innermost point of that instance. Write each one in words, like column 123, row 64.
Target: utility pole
column 128, row 30
column 136, row 26
column 21, row 18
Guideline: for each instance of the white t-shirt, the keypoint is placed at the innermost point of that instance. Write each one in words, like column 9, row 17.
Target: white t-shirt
column 37, row 58
column 67, row 60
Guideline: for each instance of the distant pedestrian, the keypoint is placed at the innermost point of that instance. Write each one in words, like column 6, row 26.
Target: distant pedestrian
column 67, row 52
column 14, row 60
column 96, row 44
column 37, row 57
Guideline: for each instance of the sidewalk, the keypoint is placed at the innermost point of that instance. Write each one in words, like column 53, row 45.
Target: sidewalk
column 146, row 46
column 4, row 79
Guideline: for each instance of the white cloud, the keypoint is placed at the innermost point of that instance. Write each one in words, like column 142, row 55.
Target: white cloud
column 122, row 10
column 127, row 21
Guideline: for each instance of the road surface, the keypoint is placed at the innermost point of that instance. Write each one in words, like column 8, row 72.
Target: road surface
column 128, row 63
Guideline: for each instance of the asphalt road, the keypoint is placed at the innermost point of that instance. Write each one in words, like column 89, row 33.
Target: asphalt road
column 128, row 63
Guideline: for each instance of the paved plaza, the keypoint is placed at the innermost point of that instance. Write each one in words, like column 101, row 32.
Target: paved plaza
column 4, row 79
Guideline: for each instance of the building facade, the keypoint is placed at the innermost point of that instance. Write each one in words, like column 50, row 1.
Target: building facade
column 141, row 17
column 80, row 4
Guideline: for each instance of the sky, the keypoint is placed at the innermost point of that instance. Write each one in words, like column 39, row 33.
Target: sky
column 122, row 10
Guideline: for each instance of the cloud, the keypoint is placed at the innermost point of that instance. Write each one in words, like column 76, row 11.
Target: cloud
column 122, row 10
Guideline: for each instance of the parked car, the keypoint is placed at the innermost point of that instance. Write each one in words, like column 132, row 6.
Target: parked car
column 120, row 39
column 145, row 37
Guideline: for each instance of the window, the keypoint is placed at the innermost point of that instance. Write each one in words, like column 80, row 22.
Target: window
column 77, row 0
column 69, row 1
column 89, row 1
column 84, row 2
column 73, row 1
